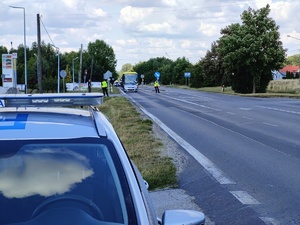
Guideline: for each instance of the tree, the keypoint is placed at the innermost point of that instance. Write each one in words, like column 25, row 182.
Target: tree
column 125, row 68
column 251, row 51
column 103, row 57
column 213, row 71
column 197, row 75
column 293, row 60
column 144, row 68
column 181, row 65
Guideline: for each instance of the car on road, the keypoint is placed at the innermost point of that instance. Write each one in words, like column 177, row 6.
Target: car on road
column 62, row 163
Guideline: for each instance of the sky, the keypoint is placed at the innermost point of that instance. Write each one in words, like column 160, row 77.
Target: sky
column 138, row 30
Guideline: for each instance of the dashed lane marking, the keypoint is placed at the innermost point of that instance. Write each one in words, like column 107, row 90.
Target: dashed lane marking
column 244, row 197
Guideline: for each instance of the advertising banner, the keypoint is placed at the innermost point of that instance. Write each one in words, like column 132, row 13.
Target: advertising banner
column 9, row 68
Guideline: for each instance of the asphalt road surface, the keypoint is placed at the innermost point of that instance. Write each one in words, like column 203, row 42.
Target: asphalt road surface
column 244, row 152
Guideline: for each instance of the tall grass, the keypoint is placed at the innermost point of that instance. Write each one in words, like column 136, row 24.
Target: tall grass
column 291, row 86
column 140, row 143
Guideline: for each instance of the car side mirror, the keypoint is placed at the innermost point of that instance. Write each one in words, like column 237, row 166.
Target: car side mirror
column 182, row 217
column 146, row 184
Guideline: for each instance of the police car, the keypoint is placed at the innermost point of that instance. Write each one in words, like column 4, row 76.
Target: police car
column 61, row 163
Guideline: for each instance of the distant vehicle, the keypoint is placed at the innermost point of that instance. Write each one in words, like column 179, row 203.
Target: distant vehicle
column 117, row 83
column 129, row 81
column 62, row 164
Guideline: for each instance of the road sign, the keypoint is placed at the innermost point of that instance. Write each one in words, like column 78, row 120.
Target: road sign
column 107, row 75
column 142, row 76
column 187, row 74
column 63, row 73
column 157, row 74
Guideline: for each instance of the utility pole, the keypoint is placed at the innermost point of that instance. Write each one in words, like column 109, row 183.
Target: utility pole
column 39, row 56
column 92, row 68
column 80, row 69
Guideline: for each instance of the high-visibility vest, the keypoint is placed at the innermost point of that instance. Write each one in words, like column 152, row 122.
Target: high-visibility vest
column 104, row 84
column 155, row 84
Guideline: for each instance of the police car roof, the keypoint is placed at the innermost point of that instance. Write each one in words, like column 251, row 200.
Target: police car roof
column 43, row 117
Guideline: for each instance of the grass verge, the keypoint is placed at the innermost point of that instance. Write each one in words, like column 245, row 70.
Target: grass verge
column 143, row 148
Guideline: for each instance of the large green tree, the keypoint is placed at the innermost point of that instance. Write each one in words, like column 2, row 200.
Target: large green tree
column 212, row 63
column 197, row 79
column 251, row 51
column 293, row 60
column 100, row 58
column 181, row 66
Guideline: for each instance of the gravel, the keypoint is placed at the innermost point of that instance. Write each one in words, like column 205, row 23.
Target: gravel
column 173, row 198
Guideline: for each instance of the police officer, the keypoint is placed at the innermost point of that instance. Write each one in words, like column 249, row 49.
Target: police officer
column 104, row 88
column 156, row 86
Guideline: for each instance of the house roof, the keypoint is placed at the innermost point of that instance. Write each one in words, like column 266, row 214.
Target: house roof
column 290, row 68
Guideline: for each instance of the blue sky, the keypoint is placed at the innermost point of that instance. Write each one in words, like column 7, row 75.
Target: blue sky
column 138, row 30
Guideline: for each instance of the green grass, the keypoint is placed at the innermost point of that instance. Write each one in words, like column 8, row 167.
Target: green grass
column 140, row 143
column 287, row 86
column 276, row 88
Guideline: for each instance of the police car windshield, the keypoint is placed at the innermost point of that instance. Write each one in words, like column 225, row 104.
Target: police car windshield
column 35, row 172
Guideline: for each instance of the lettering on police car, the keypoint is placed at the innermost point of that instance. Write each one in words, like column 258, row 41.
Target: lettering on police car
column 18, row 123
column 2, row 103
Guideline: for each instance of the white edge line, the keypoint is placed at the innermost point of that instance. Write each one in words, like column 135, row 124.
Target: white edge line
column 205, row 162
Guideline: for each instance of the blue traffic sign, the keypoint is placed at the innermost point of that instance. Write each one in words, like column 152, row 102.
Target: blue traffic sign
column 187, row 74
column 157, row 74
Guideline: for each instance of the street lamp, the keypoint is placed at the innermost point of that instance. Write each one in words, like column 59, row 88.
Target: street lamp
column 58, row 68
column 73, row 69
column 293, row 37
column 25, row 58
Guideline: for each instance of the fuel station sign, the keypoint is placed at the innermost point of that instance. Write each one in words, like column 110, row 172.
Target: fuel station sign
column 9, row 70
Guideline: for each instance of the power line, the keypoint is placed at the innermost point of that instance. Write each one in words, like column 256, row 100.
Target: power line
column 46, row 30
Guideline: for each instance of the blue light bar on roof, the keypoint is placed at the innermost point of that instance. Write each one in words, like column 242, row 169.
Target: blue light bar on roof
column 51, row 100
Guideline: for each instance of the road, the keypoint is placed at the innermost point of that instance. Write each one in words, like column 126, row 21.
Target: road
column 245, row 152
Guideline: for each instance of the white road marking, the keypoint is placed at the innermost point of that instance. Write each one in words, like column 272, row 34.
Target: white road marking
column 193, row 103
column 270, row 124
column 231, row 113
column 244, row 197
column 281, row 110
column 248, row 118
column 269, row 221
column 205, row 162
column 246, row 109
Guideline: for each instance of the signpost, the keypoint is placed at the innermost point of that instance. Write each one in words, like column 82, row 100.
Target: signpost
column 63, row 74
column 142, row 76
column 187, row 76
column 107, row 77
column 84, row 77
column 157, row 75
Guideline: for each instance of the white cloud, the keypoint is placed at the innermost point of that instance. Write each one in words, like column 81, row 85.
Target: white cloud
column 156, row 27
column 135, row 28
column 130, row 15
column 100, row 12
column 186, row 44
column 169, row 2
column 208, row 29
column 262, row 3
